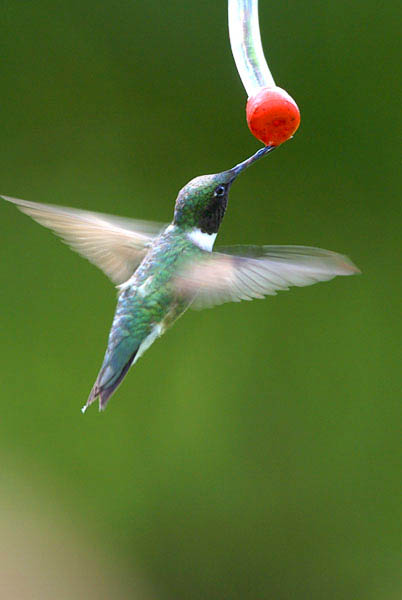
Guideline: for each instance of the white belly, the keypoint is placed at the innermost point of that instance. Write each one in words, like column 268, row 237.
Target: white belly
column 156, row 332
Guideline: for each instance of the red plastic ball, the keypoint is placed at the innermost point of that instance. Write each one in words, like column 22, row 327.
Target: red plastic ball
column 272, row 116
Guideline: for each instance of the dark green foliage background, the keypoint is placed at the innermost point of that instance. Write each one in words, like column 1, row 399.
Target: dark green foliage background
column 253, row 453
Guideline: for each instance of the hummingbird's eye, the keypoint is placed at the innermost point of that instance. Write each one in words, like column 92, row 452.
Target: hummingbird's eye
column 220, row 191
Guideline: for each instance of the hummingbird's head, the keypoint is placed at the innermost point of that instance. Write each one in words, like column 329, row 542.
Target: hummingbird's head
column 202, row 202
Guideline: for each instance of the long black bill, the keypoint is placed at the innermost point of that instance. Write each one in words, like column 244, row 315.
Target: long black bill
column 249, row 161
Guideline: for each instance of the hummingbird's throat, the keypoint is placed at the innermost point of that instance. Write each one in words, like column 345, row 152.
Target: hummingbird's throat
column 213, row 214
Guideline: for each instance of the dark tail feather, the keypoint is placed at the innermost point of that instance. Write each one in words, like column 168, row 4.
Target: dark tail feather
column 104, row 391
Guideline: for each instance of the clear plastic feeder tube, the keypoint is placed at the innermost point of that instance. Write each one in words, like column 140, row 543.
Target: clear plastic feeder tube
column 245, row 40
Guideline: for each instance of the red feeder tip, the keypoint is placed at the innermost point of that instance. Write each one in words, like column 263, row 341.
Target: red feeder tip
column 272, row 116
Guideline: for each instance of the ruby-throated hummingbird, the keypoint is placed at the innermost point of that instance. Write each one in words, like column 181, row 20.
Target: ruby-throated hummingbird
column 161, row 271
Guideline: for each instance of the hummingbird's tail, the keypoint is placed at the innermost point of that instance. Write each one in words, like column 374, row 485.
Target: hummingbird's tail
column 121, row 353
column 107, row 382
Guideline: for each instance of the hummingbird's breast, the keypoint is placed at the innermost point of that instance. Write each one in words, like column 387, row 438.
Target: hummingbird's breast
column 148, row 298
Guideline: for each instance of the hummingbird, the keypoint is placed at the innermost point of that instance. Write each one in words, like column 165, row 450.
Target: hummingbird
column 160, row 271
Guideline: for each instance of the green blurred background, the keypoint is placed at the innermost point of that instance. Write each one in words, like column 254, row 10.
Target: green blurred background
column 254, row 452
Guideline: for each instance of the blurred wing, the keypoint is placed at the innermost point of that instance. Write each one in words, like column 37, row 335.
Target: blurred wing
column 247, row 272
column 114, row 244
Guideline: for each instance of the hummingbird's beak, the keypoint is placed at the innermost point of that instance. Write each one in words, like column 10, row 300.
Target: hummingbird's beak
column 249, row 161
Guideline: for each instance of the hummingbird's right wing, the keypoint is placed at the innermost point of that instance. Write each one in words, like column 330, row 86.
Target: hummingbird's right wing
column 114, row 244
column 247, row 272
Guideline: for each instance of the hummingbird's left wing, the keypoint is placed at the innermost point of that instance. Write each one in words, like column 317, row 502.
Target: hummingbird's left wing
column 247, row 272
column 114, row 244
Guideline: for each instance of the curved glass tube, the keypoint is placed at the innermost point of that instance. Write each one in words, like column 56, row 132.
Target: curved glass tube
column 245, row 40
